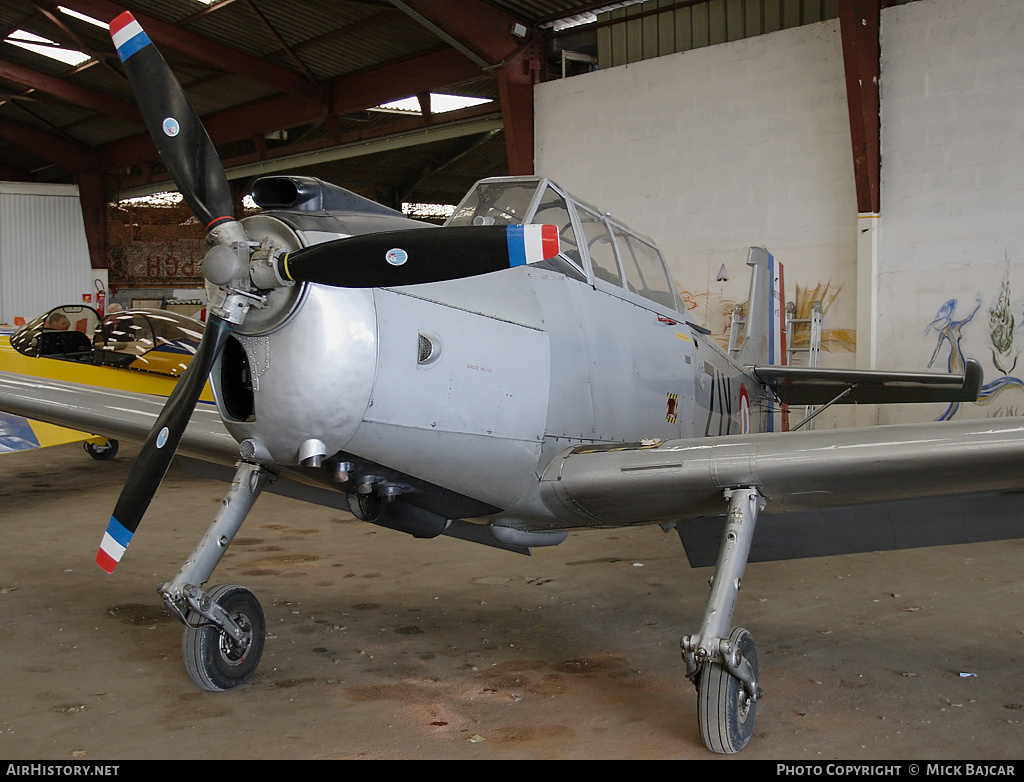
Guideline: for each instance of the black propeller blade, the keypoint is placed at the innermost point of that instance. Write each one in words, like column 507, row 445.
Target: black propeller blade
column 158, row 450
column 192, row 160
column 417, row 256
column 173, row 124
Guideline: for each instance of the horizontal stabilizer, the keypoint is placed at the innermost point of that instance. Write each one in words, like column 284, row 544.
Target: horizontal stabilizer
column 816, row 386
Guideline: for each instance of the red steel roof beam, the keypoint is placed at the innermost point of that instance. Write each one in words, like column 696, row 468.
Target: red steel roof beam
column 69, row 92
column 207, row 50
column 859, row 22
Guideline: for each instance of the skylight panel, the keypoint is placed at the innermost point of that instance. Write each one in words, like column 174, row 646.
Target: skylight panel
column 83, row 17
column 46, row 47
column 439, row 103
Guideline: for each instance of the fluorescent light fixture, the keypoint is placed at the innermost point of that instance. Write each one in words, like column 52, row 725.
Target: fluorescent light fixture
column 439, row 103
column 83, row 17
column 46, row 47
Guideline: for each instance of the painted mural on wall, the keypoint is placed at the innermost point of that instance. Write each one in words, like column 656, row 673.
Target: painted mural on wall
column 833, row 340
column 948, row 329
column 715, row 310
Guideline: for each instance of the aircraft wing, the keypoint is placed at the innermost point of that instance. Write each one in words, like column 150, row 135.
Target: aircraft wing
column 111, row 412
column 817, row 386
column 829, row 491
column 21, row 434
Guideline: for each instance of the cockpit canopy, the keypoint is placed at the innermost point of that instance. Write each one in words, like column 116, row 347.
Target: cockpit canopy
column 158, row 341
column 595, row 247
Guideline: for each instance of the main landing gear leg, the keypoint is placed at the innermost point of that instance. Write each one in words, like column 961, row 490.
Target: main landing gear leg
column 723, row 664
column 224, row 628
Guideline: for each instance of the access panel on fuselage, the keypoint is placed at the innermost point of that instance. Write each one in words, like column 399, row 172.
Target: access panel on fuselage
column 448, row 363
column 619, row 372
column 640, row 365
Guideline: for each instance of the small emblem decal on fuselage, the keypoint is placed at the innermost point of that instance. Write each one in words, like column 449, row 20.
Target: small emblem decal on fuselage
column 171, row 127
column 397, row 256
column 672, row 408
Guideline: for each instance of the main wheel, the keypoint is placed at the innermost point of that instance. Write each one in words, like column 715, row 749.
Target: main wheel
column 101, row 452
column 725, row 711
column 214, row 660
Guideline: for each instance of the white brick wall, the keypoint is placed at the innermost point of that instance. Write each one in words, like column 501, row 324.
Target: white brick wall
column 952, row 183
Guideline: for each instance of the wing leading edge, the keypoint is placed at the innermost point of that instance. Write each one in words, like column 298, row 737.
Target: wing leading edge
column 811, row 473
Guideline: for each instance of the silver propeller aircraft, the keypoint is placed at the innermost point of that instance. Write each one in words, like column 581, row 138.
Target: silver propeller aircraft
column 520, row 373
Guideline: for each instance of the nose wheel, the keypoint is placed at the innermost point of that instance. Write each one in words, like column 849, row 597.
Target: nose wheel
column 215, row 659
column 225, row 628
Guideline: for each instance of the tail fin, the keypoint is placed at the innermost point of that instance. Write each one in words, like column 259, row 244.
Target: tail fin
column 764, row 334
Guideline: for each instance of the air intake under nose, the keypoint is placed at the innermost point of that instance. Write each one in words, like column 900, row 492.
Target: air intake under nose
column 236, row 389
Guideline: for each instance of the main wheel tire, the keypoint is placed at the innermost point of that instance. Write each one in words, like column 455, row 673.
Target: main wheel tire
column 101, row 452
column 212, row 658
column 725, row 711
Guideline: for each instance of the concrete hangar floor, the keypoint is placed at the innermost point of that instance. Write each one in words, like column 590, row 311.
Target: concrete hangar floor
column 382, row 646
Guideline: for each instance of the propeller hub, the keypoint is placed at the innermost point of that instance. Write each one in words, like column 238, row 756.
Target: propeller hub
column 223, row 265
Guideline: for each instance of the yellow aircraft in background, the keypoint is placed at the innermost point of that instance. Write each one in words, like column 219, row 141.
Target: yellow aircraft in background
column 140, row 350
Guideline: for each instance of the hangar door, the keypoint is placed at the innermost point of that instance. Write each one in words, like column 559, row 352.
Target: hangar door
column 44, row 255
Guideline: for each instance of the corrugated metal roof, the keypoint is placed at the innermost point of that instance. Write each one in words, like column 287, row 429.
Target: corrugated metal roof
column 317, row 44
column 254, row 66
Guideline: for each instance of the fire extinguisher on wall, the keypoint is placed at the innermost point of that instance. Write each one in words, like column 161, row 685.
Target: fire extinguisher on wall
column 101, row 298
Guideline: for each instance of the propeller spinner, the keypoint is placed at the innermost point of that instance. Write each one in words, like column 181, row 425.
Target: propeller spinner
column 238, row 271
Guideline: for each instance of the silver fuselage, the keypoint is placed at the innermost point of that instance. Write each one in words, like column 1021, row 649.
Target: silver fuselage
column 477, row 384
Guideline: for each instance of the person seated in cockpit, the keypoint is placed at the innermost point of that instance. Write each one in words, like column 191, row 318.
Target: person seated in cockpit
column 57, row 321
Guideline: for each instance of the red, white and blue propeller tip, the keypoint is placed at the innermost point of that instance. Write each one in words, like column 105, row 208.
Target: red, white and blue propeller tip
column 115, row 541
column 531, row 243
column 128, row 35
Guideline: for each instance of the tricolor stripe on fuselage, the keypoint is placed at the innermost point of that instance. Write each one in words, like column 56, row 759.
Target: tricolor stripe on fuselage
column 128, row 35
column 777, row 345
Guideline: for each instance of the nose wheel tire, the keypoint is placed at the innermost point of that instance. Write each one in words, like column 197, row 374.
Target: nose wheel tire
column 213, row 659
column 725, row 710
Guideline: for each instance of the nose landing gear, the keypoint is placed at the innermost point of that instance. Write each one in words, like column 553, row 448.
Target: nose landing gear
column 225, row 628
column 724, row 670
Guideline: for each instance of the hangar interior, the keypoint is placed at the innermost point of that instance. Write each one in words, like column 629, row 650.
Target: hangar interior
column 719, row 109
column 873, row 146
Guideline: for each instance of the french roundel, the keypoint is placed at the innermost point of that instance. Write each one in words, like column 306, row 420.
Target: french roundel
column 744, row 410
